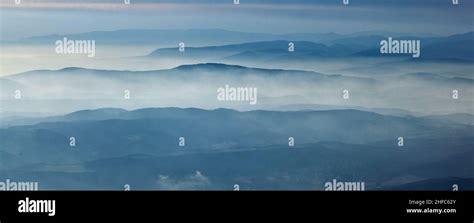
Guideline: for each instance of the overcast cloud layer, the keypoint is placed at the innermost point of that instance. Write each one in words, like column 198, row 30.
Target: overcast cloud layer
column 439, row 17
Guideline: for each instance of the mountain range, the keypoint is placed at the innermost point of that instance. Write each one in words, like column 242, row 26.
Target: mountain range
column 195, row 85
column 347, row 122
column 232, row 45
column 200, row 37
column 141, row 147
column 451, row 47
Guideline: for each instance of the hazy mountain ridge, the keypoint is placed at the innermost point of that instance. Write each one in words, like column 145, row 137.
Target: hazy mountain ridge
column 150, row 102
column 203, row 67
column 139, row 131
column 305, row 166
column 195, row 85
column 191, row 36
column 452, row 47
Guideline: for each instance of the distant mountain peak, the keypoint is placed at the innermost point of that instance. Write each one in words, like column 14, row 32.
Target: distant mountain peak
column 209, row 66
column 104, row 112
column 72, row 69
column 233, row 67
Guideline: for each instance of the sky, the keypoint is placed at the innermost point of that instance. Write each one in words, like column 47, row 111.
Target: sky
column 34, row 18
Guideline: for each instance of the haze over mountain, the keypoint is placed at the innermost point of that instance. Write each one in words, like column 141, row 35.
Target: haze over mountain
column 196, row 86
column 327, row 104
column 451, row 47
column 245, row 145
column 214, row 43
column 315, row 52
column 196, row 37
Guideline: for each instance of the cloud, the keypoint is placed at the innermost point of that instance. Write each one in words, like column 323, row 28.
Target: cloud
column 279, row 16
column 196, row 181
